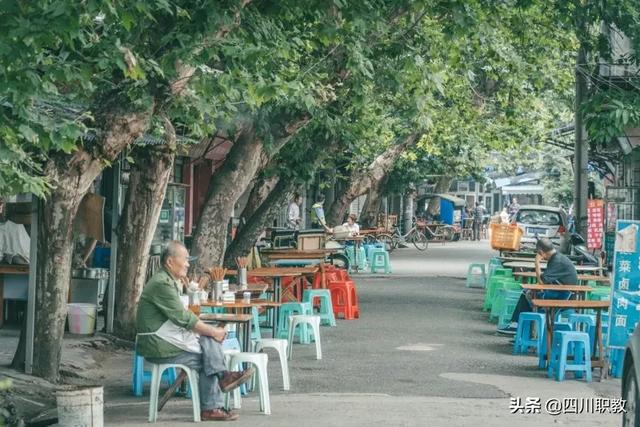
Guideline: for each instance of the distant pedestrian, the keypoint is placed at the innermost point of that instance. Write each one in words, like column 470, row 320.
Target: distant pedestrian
column 514, row 207
column 293, row 213
column 478, row 215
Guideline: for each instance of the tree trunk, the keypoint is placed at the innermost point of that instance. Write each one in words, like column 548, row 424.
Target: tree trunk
column 145, row 194
column 372, row 206
column 444, row 182
column 245, row 159
column 360, row 181
column 265, row 213
column 72, row 176
column 259, row 193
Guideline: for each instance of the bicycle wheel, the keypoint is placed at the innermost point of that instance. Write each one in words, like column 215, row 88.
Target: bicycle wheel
column 388, row 241
column 369, row 239
column 419, row 241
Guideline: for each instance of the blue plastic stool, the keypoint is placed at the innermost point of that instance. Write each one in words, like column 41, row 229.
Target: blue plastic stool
column 380, row 259
column 584, row 323
column 140, row 377
column 560, row 352
column 370, row 248
column 557, row 326
column 476, row 276
column 286, row 310
column 563, row 315
column 523, row 340
column 362, row 257
column 326, row 307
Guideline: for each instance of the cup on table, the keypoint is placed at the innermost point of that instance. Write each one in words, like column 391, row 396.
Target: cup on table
column 246, row 297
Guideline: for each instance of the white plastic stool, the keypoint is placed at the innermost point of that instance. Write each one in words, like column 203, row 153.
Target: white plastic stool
column 156, row 378
column 259, row 360
column 237, row 399
column 314, row 322
column 280, row 345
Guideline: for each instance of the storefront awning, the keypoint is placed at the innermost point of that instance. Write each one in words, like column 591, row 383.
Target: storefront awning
column 523, row 189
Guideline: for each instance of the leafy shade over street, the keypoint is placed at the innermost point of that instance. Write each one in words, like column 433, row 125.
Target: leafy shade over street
column 384, row 92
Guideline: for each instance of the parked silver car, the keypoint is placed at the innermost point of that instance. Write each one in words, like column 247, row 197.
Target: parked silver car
column 543, row 221
column 630, row 375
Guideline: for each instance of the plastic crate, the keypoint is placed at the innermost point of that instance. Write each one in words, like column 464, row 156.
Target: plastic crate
column 505, row 237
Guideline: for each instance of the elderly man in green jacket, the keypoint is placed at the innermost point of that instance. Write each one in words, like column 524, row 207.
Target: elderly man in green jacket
column 169, row 333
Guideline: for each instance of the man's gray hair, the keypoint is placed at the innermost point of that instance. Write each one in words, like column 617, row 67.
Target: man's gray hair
column 544, row 245
column 171, row 250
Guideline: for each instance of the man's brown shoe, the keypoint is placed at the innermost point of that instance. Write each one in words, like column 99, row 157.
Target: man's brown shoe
column 219, row 414
column 234, row 379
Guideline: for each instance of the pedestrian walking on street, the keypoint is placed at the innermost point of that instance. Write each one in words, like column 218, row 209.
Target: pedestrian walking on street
column 478, row 214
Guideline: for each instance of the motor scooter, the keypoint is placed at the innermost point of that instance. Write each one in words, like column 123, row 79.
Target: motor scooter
column 579, row 248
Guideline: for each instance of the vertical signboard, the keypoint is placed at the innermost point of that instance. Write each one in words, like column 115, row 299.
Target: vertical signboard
column 595, row 223
column 625, row 292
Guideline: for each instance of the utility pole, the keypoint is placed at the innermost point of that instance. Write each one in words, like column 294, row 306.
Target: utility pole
column 581, row 156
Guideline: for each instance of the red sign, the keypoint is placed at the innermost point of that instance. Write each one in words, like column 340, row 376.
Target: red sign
column 595, row 224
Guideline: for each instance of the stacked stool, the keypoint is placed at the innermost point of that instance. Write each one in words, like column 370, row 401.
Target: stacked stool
column 344, row 299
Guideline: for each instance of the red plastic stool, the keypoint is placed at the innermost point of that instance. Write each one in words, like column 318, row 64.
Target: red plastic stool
column 343, row 274
column 344, row 299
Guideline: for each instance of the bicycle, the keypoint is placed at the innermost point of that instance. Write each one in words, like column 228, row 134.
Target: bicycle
column 415, row 236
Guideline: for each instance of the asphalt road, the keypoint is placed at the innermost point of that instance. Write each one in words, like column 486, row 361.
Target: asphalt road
column 422, row 353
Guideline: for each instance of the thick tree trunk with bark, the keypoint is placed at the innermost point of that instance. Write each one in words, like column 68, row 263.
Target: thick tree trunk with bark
column 372, row 205
column 145, row 194
column 444, row 182
column 225, row 187
column 361, row 181
column 259, row 193
column 266, row 212
column 247, row 157
column 72, row 177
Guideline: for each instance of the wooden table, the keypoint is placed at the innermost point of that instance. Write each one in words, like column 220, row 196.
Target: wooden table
column 581, row 277
column 577, row 289
column 296, row 254
column 530, row 265
column 551, row 306
column 9, row 269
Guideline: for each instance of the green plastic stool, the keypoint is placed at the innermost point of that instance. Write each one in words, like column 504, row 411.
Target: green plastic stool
column 510, row 302
column 326, row 307
column 499, row 302
column 290, row 308
column 503, row 272
column 476, row 276
column 495, row 283
column 362, row 257
column 380, row 259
